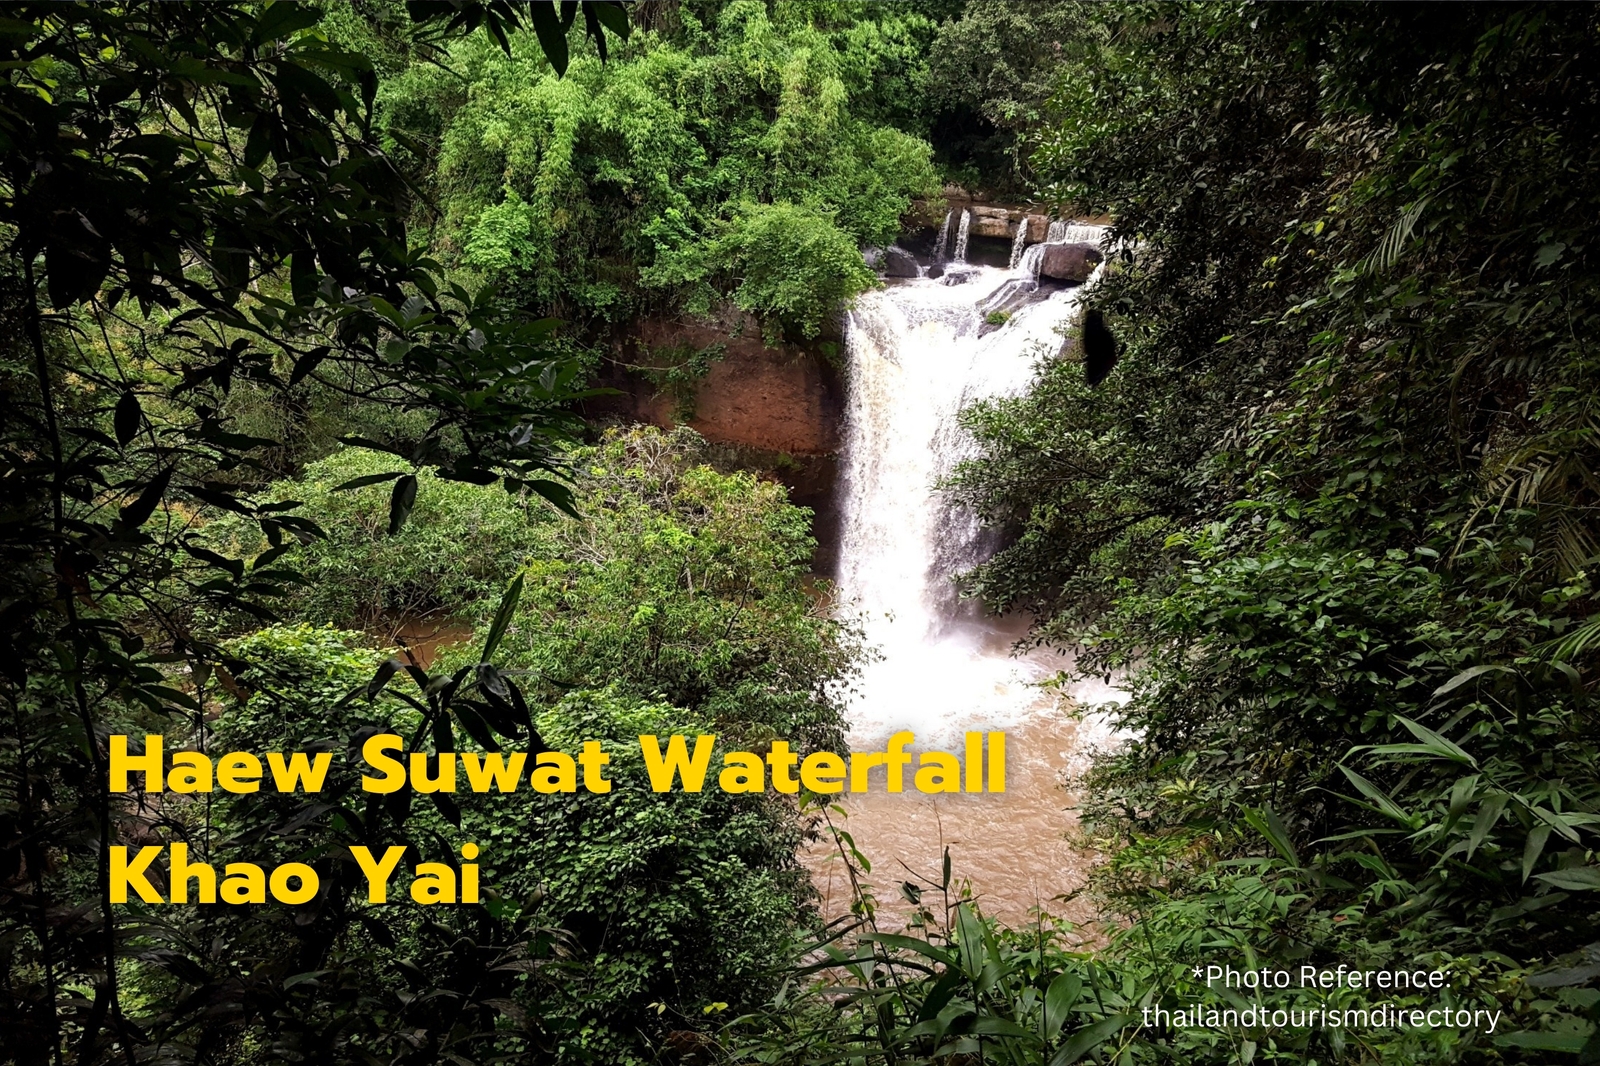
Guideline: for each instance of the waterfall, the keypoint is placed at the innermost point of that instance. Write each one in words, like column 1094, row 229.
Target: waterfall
column 1060, row 232
column 961, row 237
column 917, row 354
column 1019, row 242
column 944, row 237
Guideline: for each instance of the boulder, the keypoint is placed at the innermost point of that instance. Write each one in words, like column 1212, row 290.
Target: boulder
column 1069, row 262
column 958, row 274
column 995, row 225
column 899, row 263
column 935, row 270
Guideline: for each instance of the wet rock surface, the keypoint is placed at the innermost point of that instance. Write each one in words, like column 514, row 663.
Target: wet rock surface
column 899, row 263
column 1069, row 262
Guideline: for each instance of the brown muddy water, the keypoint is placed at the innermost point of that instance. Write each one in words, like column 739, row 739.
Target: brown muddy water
column 1014, row 851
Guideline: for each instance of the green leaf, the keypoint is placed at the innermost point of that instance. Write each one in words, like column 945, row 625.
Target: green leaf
column 940, row 995
column 139, row 511
column 1467, row 675
column 1548, row 253
column 1445, row 749
column 1001, row 1027
column 1533, row 849
column 1377, row 796
column 306, row 364
column 552, row 35
column 969, row 940
column 502, row 618
column 1461, row 794
column 1059, row 999
column 1577, row 879
column 283, row 18
column 368, row 479
column 127, row 418
column 386, row 672
column 401, row 501
column 909, row 943
column 557, row 494
column 476, row 727
column 1488, row 814
column 1088, row 1038
column 613, row 15
column 1265, row 821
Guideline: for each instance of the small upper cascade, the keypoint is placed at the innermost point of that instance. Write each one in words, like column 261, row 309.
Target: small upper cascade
column 961, row 237
column 1019, row 243
column 1027, row 267
column 1060, row 232
column 944, row 237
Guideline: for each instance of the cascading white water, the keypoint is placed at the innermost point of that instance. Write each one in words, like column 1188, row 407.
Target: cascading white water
column 944, row 237
column 918, row 352
column 1019, row 243
column 1059, row 233
column 961, row 237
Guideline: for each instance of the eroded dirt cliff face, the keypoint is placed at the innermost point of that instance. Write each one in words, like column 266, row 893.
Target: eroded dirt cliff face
column 784, row 399
column 776, row 410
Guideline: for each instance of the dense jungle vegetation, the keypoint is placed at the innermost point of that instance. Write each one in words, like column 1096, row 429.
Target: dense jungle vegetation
column 302, row 305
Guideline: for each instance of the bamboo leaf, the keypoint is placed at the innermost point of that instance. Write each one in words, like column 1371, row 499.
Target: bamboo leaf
column 502, row 618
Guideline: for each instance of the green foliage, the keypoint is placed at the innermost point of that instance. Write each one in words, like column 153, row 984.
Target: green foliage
column 991, row 74
column 191, row 199
column 718, row 158
column 431, row 980
column 675, row 604
column 1330, row 517
column 796, row 266
column 678, row 583
column 964, row 987
column 673, row 901
column 460, row 545
column 688, row 586
column 953, row 983
column 665, row 901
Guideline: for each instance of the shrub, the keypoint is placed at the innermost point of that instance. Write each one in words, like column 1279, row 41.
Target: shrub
column 461, row 544
column 689, row 586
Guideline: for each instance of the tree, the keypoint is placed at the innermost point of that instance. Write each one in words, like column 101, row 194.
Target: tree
column 191, row 196
column 1331, row 516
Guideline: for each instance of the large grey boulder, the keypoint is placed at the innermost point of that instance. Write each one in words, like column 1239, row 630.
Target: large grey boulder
column 1069, row 262
column 899, row 263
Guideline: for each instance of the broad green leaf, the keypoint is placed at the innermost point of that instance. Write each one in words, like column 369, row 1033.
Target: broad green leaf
column 1533, row 849
column 401, row 501
column 1059, row 1000
column 969, row 941
column 1088, row 1038
column 1489, row 812
column 1577, row 878
column 502, row 618
column 1377, row 796
column 1467, row 675
column 1265, row 821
